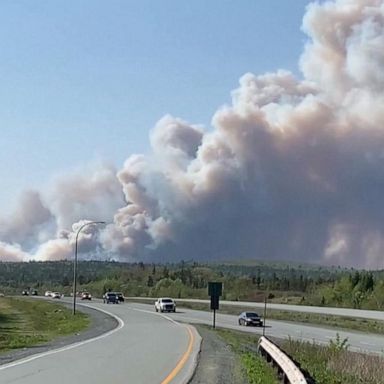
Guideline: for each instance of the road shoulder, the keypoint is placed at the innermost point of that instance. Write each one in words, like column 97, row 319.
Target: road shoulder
column 217, row 364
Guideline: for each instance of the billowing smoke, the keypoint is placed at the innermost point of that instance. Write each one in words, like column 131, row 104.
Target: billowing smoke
column 45, row 224
column 292, row 169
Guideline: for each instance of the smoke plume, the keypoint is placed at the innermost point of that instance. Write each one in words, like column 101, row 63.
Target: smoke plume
column 293, row 169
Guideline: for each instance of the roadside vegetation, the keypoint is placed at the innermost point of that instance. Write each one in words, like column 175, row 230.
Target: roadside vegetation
column 329, row 364
column 334, row 364
column 25, row 323
column 243, row 281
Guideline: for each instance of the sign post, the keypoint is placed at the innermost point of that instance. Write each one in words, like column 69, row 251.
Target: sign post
column 265, row 314
column 215, row 290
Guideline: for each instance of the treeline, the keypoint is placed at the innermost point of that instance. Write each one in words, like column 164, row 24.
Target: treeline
column 282, row 282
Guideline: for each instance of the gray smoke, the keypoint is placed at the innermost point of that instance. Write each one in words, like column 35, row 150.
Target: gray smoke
column 292, row 169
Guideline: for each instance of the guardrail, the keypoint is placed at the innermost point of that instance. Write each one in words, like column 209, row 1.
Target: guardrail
column 291, row 373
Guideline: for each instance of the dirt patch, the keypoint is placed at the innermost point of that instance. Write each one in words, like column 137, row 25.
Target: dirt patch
column 218, row 364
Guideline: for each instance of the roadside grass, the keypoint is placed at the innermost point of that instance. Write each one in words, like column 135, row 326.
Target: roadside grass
column 25, row 323
column 257, row 370
column 330, row 364
column 334, row 364
column 330, row 321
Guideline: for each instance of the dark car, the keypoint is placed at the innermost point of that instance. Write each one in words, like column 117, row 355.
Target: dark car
column 250, row 318
column 120, row 297
column 110, row 297
column 25, row 292
column 33, row 292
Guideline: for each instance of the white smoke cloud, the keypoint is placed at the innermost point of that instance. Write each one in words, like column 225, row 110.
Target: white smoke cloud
column 44, row 226
column 11, row 252
column 292, row 169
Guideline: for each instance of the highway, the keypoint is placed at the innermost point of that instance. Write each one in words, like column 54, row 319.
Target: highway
column 348, row 312
column 148, row 347
column 360, row 342
column 145, row 348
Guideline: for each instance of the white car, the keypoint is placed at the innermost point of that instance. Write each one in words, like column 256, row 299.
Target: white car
column 55, row 295
column 165, row 304
column 48, row 293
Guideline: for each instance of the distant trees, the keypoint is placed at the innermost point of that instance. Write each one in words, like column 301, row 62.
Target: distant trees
column 304, row 285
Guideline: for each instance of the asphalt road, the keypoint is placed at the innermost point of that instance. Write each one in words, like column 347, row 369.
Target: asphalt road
column 361, row 342
column 145, row 348
column 348, row 312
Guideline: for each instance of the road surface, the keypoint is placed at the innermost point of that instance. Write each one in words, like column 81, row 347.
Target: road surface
column 361, row 342
column 145, row 348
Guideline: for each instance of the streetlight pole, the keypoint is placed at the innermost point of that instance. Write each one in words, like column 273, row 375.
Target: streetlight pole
column 75, row 261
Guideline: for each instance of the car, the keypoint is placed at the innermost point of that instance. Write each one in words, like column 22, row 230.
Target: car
column 110, row 297
column 55, row 295
column 33, row 292
column 48, row 293
column 86, row 296
column 165, row 304
column 25, row 292
column 250, row 318
column 120, row 297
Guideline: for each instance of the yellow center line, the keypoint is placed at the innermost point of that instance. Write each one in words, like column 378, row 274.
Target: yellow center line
column 183, row 359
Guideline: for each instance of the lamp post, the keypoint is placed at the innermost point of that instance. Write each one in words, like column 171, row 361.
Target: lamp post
column 75, row 262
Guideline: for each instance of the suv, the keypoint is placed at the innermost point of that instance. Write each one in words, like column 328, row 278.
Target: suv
column 110, row 297
column 165, row 304
column 120, row 297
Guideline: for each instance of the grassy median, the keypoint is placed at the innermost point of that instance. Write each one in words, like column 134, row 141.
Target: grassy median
column 24, row 323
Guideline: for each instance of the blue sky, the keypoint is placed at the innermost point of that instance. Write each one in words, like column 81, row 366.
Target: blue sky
column 84, row 81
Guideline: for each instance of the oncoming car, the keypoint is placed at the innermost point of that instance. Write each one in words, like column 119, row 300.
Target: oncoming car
column 250, row 318
column 165, row 304
column 86, row 296
column 110, row 297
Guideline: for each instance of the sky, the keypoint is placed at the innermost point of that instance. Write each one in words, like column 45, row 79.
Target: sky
column 196, row 130
column 85, row 81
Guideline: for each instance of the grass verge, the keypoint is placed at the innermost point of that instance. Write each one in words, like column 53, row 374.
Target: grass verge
column 258, row 371
column 332, row 364
column 24, row 323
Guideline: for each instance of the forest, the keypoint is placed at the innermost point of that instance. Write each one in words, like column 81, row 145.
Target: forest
column 247, row 281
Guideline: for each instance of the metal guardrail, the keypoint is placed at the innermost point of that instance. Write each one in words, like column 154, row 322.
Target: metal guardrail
column 291, row 373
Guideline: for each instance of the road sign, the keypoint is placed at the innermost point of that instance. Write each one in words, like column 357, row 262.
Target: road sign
column 215, row 289
column 214, row 302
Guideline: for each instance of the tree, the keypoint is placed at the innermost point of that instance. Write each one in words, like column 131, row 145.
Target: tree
column 150, row 281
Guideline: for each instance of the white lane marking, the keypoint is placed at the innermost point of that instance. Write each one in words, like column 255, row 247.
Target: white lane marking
column 67, row 347
column 155, row 314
